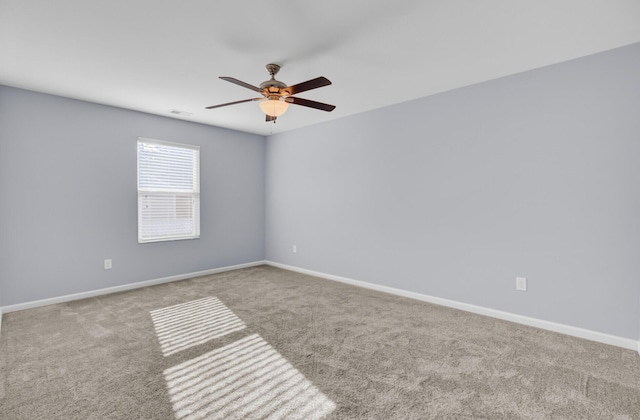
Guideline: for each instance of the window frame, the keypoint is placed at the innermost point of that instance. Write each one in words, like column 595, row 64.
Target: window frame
column 194, row 193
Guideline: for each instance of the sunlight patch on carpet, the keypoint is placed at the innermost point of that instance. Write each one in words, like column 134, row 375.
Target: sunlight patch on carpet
column 245, row 379
column 189, row 324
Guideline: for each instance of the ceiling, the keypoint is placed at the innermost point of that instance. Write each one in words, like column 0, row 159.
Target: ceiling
column 157, row 56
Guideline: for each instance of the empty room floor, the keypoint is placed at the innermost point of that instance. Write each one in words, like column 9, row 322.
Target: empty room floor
column 263, row 342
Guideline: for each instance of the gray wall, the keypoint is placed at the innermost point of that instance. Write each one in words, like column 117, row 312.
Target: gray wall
column 68, row 197
column 455, row 195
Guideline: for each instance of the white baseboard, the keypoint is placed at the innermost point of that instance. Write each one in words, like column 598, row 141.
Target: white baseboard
column 613, row 340
column 626, row 343
column 130, row 286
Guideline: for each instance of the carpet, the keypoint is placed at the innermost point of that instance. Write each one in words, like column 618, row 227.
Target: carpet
column 263, row 342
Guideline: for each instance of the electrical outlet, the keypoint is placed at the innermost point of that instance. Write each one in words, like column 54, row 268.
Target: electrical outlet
column 521, row 284
column 108, row 264
column 295, row 249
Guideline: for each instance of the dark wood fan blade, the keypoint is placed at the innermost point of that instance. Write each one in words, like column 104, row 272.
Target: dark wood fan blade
column 241, row 83
column 233, row 103
column 270, row 118
column 311, row 104
column 308, row 85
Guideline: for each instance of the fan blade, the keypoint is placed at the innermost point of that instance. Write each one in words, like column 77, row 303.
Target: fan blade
column 241, row 83
column 233, row 103
column 270, row 118
column 308, row 85
column 311, row 104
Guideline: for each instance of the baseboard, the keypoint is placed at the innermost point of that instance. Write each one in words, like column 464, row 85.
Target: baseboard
column 124, row 287
column 613, row 340
column 520, row 319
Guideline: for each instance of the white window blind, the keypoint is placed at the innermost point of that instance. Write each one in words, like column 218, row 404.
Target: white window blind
column 168, row 191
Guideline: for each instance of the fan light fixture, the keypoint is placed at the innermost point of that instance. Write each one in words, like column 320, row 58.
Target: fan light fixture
column 274, row 107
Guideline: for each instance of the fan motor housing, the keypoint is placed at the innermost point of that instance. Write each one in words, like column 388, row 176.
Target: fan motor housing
column 272, row 86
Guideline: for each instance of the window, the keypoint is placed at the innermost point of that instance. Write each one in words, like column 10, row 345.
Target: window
column 168, row 191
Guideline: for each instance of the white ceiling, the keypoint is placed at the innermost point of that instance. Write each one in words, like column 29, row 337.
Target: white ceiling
column 158, row 55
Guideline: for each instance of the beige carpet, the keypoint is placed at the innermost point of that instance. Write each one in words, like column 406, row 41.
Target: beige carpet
column 268, row 343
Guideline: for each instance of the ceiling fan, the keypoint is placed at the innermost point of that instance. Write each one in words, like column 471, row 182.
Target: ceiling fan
column 276, row 96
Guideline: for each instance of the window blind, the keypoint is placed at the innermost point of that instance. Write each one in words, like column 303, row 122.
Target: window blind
column 168, row 191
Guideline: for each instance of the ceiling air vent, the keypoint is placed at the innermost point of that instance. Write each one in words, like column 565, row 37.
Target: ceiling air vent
column 181, row 113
